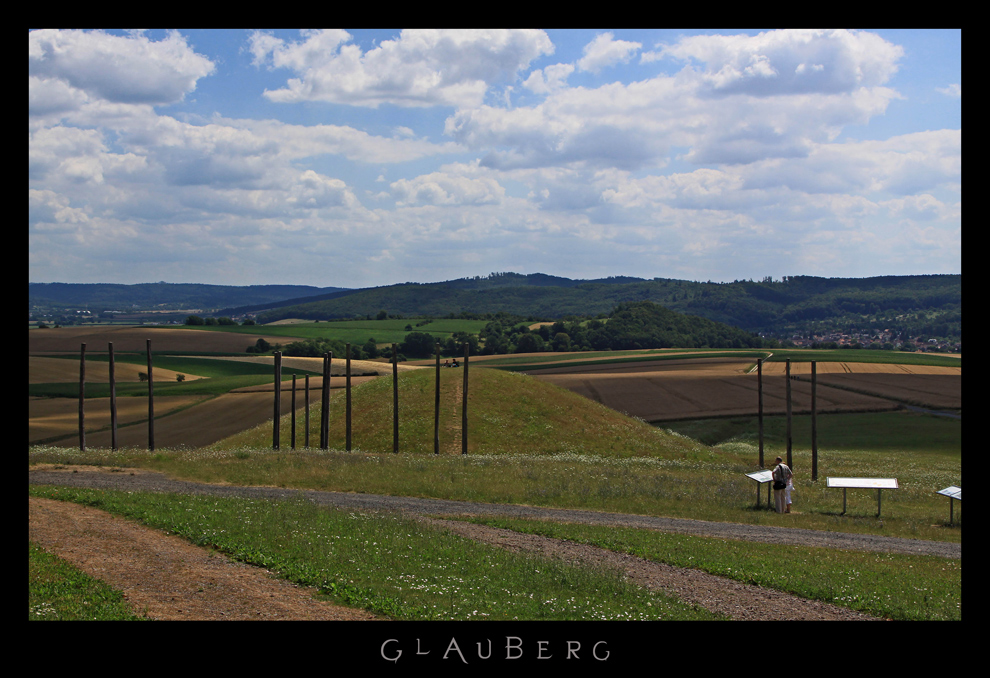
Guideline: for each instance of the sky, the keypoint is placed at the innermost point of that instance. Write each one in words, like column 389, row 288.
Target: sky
column 361, row 158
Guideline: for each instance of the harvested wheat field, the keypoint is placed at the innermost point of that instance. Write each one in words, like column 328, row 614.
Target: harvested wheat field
column 131, row 338
column 204, row 424
column 924, row 385
column 42, row 370
column 683, row 389
column 51, row 417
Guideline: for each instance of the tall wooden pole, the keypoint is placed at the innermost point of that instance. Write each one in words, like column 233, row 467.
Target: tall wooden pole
column 278, row 399
column 759, row 380
column 347, row 388
column 82, row 398
column 151, row 401
column 306, row 435
column 789, row 463
column 464, row 417
column 292, row 435
column 436, row 408
column 113, row 403
column 323, row 403
column 325, row 412
column 814, row 421
column 395, row 400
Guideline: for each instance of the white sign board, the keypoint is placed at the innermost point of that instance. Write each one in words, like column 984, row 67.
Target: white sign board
column 952, row 491
column 869, row 483
column 761, row 476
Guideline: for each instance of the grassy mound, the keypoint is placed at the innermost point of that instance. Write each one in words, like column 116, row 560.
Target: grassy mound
column 508, row 413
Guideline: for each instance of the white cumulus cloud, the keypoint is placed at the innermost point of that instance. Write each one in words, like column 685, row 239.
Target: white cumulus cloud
column 419, row 68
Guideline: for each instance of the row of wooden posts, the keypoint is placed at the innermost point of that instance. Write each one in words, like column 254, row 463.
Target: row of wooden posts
column 325, row 410
column 814, row 415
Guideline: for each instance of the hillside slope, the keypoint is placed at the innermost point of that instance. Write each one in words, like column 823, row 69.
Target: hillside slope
column 508, row 413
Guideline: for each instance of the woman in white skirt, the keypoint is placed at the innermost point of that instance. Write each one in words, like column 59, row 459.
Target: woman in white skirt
column 781, row 486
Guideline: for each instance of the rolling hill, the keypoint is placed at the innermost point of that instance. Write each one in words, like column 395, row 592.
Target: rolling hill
column 929, row 304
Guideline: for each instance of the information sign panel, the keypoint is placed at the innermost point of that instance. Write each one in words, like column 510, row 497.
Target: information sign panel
column 878, row 484
column 952, row 491
column 761, row 477
column 869, row 483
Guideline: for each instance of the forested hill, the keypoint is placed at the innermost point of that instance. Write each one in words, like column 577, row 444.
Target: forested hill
column 795, row 303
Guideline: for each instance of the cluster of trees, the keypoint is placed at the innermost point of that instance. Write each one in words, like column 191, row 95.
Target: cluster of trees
column 631, row 326
column 197, row 320
column 315, row 348
column 634, row 325
column 423, row 345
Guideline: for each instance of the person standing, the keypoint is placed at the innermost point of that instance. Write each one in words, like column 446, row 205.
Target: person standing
column 781, row 479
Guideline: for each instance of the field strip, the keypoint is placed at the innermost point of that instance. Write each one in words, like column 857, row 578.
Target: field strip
column 315, row 384
column 43, row 370
column 133, row 339
column 722, row 365
column 669, row 394
column 822, row 367
column 50, row 417
column 337, row 365
column 202, row 425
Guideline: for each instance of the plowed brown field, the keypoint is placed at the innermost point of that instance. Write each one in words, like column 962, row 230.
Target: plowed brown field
column 683, row 389
column 134, row 338
column 204, row 424
column 49, row 417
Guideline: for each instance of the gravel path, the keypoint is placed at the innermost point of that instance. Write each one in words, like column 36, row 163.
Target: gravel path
column 735, row 600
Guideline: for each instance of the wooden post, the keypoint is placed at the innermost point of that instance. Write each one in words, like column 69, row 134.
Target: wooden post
column 789, row 463
column 306, row 435
column 347, row 389
column 814, row 421
column 82, row 398
column 325, row 413
column 151, row 401
column 436, row 408
column 464, row 418
column 759, row 379
column 278, row 398
column 113, row 403
column 292, row 435
column 323, row 403
column 395, row 400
